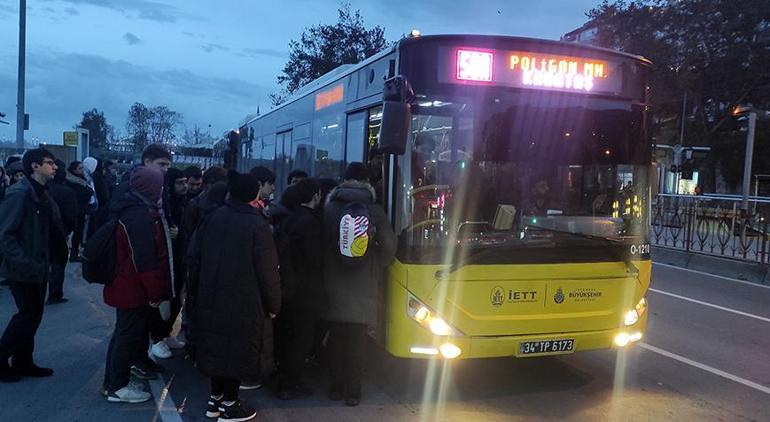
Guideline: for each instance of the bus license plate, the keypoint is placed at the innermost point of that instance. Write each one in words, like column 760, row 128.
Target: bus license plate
column 546, row 347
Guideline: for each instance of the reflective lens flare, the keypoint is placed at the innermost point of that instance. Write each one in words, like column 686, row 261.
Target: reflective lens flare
column 439, row 327
column 631, row 318
column 450, row 351
column 624, row 339
column 474, row 65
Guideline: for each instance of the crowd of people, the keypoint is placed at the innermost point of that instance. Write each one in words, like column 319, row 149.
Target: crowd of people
column 258, row 286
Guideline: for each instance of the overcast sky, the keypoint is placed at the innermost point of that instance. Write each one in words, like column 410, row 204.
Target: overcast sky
column 212, row 61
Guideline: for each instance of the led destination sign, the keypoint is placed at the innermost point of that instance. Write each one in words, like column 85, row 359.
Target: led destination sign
column 532, row 70
column 570, row 73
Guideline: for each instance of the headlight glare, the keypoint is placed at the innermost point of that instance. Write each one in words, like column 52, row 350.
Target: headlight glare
column 425, row 317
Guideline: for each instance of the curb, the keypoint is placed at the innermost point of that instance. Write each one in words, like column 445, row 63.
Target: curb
column 727, row 267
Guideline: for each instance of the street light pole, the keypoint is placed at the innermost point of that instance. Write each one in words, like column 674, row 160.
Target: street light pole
column 747, row 161
column 22, row 60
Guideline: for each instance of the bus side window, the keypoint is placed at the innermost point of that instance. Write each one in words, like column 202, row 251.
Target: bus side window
column 354, row 142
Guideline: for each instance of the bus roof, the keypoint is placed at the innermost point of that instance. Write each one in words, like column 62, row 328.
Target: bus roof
column 458, row 38
column 347, row 69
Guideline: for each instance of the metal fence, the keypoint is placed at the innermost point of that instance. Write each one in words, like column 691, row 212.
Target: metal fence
column 713, row 225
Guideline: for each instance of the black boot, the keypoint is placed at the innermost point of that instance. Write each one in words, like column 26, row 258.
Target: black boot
column 32, row 370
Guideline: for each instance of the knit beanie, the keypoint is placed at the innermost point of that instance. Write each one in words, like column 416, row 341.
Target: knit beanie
column 356, row 171
column 243, row 187
column 148, row 182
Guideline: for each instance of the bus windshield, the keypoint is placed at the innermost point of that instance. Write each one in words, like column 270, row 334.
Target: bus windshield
column 522, row 171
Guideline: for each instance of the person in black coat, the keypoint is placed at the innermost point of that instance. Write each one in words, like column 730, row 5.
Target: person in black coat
column 77, row 181
column 67, row 201
column 353, row 290
column 234, row 289
column 31, row 237
column 304, row 296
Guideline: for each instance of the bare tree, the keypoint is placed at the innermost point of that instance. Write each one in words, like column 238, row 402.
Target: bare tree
column 152, row 125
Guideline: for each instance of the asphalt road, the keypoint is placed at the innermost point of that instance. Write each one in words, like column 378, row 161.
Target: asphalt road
column 706, row 357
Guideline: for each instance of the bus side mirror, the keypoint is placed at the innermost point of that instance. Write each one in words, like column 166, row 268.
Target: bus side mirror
column 394, row 130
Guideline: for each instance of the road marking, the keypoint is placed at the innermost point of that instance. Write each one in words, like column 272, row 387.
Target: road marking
column 715, row 371
column 762, row 286
column 167, row 411
column 711, row 305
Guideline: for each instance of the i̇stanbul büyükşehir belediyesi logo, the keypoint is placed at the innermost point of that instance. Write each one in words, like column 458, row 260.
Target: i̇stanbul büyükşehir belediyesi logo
column 558, row 297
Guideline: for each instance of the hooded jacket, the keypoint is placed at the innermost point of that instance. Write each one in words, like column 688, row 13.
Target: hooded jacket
column 65, row 199
column 82, row 191
column 143, row 274
column 353, row 290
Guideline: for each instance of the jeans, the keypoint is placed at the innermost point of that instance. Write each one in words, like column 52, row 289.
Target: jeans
column 127, row 346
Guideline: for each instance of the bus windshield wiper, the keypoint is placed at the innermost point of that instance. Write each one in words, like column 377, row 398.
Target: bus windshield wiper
column 625, row 258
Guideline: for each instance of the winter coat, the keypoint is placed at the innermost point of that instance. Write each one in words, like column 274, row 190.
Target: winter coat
column 233, row 285
column 300, row 247
column 31, row 234
column 67, row 202
column 202, row 205
column 143, row 272
column 82, row 191
column 353, row 290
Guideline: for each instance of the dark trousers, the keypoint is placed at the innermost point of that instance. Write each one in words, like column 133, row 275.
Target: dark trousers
column 176, row 305
column 156, row 327
column 77, row 236
column 127, row 346
column 227, row 388
column 18, row 340
column 297, row 344
column 347, row 347
column 56, row 282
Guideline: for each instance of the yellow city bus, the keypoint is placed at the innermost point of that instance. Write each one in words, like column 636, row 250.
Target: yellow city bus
column 516, row 173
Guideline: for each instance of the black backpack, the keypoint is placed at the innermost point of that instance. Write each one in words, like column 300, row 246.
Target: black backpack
column 355, row 233
column 99, row 256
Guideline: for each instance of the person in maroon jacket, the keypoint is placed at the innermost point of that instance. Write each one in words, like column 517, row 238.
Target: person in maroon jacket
column 142, row 281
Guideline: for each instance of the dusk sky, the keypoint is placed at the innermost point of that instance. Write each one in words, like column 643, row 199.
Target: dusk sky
column 214, row 62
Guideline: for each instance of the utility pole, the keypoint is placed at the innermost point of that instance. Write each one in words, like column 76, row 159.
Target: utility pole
column 747, row 162
column 22, row 60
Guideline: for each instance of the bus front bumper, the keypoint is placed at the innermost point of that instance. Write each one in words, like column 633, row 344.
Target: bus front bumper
column 418, row 344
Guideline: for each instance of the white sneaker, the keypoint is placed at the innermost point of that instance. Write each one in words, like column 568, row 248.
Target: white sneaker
column 128, row 394
column 160, row 350
column 174, row 343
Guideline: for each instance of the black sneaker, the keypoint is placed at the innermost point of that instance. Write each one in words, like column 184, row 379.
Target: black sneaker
column 250, row 385
column 56, row 300
column 212, row 409
column 142, row 373
column 236, row 412
column 32, row 370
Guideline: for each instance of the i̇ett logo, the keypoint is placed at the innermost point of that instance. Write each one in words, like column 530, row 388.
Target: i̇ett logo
column 497, row 297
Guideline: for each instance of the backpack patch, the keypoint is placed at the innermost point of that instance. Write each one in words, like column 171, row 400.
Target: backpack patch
column 354, row 232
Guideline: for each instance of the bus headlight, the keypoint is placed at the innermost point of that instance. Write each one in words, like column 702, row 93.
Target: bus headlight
column 632, row 316
column 425, row 317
